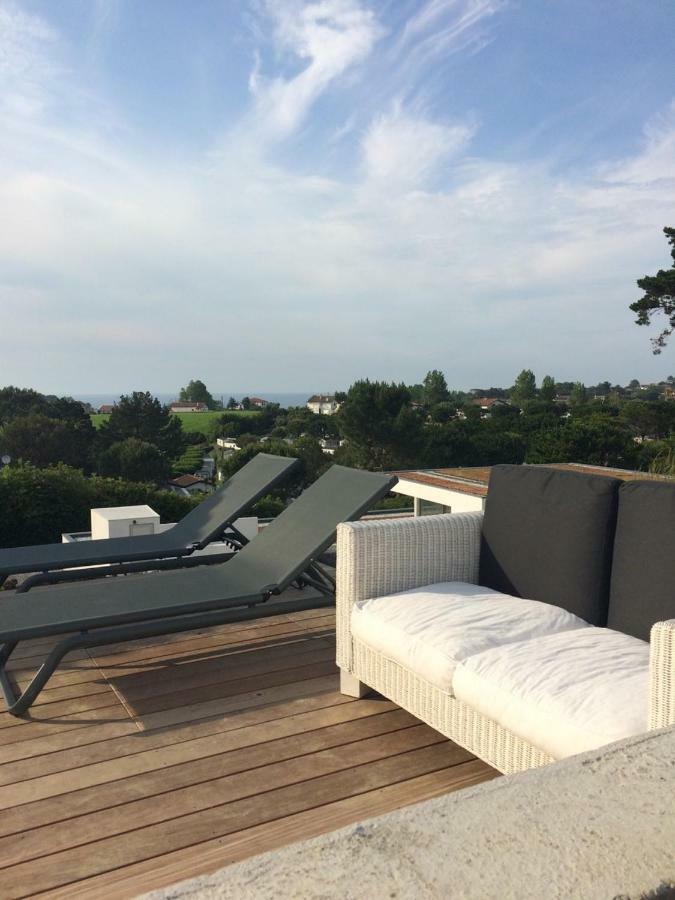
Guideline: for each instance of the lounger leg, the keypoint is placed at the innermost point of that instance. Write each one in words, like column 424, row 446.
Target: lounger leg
column 351, row 686
column 17, row 704
column 234, row 612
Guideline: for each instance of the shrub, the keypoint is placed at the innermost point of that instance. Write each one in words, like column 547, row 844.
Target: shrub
column 38, row 505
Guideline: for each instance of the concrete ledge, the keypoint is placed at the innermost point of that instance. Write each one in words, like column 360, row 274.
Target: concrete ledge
column 600, row 825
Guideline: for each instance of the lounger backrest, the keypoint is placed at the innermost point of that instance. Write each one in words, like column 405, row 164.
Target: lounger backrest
column 205, row 522
column 283, row 550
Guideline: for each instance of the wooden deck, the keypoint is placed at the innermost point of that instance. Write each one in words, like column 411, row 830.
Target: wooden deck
column 143, row 764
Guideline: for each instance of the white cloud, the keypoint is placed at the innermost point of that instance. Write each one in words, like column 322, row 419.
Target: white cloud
column 444, row 28
column 420, row 256
column 328, row 37
column 405, row 149
column 657, row 159
column 26, row 66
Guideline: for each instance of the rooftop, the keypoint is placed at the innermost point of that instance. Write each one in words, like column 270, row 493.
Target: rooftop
column 186, row 481
column 149, row 762
column 474, row 480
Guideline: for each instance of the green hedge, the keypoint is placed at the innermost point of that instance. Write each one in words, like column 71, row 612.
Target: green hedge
column 37, row 505
column 191, row 460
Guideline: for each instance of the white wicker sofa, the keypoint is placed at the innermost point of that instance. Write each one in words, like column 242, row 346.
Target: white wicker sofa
column 390, row 641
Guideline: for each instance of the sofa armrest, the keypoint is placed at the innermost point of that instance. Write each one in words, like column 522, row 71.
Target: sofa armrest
column 383, row 557
column 662, row 674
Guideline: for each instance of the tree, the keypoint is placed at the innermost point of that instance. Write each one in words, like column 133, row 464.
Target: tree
column 246, row 403
column 578, row 394
column 537, row 416
column 19, row 402
column 658, row 297
column 547, row 391
column 42, row 441
column 232, row 403
column 595, row 441
column 434, row 389
column 134, row 460
column 15, row 402
column 142, row 416
column 645, row 419
column 525, row 388
column 381, row 428
column 196, row 392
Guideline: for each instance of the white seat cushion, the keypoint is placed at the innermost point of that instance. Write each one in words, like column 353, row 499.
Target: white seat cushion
column 564, row 693
column 431, row 629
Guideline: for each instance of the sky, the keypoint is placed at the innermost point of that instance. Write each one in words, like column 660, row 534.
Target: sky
column 284, row 195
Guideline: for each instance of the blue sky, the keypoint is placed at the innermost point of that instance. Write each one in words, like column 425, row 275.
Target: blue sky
column 290, row 195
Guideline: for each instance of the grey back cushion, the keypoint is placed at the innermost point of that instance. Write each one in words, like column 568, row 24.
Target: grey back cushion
column 548, row 535
column 643, row 571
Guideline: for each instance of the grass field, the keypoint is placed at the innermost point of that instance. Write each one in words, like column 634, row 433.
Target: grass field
column 199, row 421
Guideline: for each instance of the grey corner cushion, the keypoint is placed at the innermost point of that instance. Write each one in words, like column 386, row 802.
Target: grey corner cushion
column 643, row 570
column 548, row 535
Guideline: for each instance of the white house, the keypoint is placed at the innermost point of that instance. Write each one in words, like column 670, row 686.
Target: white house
column 323, row 404
column 330, row 445
column 181, row 406
column 227, row 443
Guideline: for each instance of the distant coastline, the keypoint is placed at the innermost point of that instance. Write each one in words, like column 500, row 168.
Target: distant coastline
column 284, row 400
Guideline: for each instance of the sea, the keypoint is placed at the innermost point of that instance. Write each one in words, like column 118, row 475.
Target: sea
column 284, row 400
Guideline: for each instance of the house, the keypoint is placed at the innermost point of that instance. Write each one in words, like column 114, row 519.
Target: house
column 227, row 443
column 486, row 404
column 188, row 484
column 106, row 409
column 668, row 392
column 183, row 406
column 258, row 402
column 330, row 445
column 323, row 404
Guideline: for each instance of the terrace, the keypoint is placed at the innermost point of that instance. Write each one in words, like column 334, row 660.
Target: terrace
column 232, row 758
column 120, row 783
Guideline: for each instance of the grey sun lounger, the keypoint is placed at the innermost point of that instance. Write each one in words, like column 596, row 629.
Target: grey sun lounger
column 120, row 609
column 202, row 525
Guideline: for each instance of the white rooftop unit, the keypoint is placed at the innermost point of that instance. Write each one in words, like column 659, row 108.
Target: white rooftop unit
column 123, row 521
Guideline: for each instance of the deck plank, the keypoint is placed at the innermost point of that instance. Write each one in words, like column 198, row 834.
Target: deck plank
column 151, row 761
column 219, row 820
column 112, row 746
column 130, row 881
column 120, row 806
column 301, row 728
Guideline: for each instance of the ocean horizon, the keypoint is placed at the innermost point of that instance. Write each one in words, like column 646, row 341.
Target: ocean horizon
column 283, row 399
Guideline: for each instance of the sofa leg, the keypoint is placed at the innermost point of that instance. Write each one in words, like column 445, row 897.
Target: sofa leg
column 351, row 686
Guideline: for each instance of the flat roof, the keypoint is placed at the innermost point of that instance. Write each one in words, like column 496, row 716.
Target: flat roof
column 124, row 512
column 474, row 480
